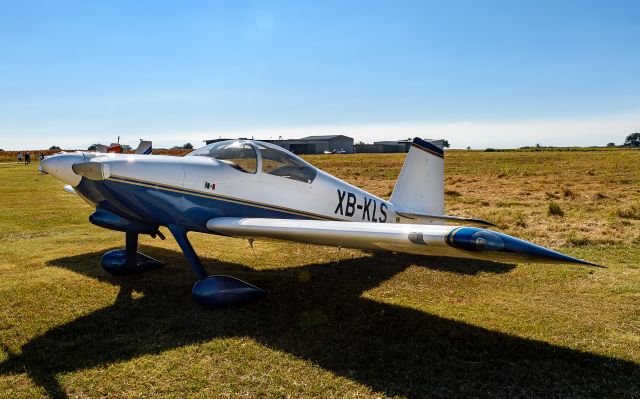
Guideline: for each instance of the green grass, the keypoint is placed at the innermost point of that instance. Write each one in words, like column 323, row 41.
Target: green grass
column 555, row 210
column 336, row 323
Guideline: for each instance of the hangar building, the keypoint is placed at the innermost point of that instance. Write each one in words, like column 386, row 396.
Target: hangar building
column 384, row 147
column 392, row 146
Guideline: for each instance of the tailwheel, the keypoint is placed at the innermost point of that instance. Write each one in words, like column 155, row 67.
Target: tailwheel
column 214, row 292
column 120, row 262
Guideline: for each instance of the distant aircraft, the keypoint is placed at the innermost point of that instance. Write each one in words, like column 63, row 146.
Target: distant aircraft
column 143, row 148
column 334, row 151
column 256, row 190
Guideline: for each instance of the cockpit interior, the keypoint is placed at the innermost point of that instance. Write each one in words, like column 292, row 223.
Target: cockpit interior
column 249, row 156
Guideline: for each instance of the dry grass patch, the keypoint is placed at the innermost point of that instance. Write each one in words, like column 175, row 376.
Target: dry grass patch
column 452, row 193
column 368, row 326
column 630, row 212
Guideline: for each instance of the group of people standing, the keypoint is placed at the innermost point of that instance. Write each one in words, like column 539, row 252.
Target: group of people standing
column 26, row 158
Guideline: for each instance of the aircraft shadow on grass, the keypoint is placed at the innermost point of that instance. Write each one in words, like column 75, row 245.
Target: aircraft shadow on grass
column 392, row 349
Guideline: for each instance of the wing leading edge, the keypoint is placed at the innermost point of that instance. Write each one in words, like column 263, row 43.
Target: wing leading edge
column 433, row 240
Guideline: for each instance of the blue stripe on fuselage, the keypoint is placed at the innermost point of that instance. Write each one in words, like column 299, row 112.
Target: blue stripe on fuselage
column 300, row 213
column 163, row 205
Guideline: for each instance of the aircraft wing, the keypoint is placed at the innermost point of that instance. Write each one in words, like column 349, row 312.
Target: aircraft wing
column 420, row 239
column 332, row 233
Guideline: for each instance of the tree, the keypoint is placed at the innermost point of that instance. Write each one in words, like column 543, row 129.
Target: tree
column 446, row 144
column 187, row 146
column 55, row 148
column 611, row 144
column 125, row 147
column 632, row 140
column 93, row 147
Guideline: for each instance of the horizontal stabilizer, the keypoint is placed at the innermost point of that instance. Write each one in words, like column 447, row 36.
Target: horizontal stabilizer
column 412, row 215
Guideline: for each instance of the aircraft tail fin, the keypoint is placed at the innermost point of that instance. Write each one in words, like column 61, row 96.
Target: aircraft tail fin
column 420, row 186
column 144, row 148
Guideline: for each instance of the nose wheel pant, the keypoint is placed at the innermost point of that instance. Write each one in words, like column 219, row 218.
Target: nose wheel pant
column 120, row 262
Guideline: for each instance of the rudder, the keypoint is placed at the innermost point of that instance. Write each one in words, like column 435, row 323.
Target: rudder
column 420, row 186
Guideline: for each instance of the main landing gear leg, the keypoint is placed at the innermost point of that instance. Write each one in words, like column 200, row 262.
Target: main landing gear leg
column 120, row 262
column 214, row 292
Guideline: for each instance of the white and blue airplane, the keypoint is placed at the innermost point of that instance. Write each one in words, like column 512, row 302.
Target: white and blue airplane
column 256, row 190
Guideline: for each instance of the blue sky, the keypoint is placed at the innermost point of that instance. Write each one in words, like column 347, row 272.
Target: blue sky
column 480, row 73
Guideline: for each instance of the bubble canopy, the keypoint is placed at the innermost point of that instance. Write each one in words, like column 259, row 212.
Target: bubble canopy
column 253, row 156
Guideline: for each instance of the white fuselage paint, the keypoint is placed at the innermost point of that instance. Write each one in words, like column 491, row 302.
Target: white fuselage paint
column 327, row 197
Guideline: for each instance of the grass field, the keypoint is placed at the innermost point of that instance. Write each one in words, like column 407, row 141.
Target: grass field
column 366, row 326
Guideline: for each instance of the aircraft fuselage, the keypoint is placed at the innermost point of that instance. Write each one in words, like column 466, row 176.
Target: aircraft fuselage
column 189, row 191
